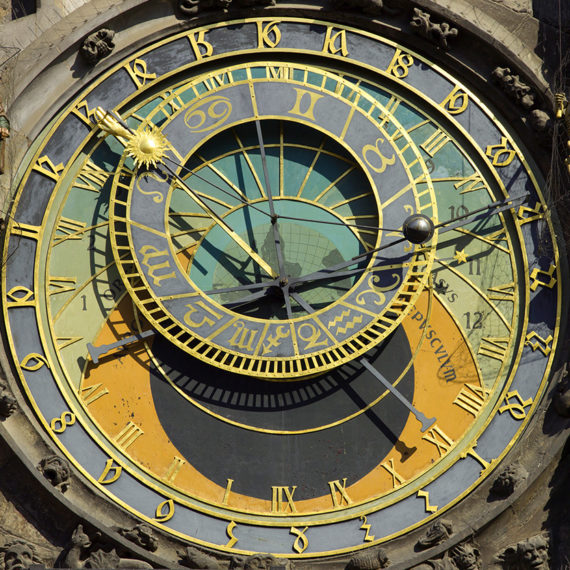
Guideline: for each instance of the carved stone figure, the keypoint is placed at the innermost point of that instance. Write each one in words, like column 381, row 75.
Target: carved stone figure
column 369, row 560
column 192, row 7
column 437, row 33
column 79, row 555
column 4, row 134
column 437, row 533
column 56, row 470
column 193, row 558
column 513, row 87
column 465, row 556
column 504, row 485
column 255, row 562
column 19, row 555
column 97, row 46
column 141, row 535
column 529, row 554
column 8, row 403
column 461, row 557
column 371, row 7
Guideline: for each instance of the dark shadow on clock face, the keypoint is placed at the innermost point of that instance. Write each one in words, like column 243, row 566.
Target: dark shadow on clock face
column 257, row 460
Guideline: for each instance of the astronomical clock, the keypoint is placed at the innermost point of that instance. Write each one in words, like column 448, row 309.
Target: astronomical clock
column 285, row 282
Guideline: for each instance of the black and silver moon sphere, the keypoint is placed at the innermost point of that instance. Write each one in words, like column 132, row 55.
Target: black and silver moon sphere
column 417, row 228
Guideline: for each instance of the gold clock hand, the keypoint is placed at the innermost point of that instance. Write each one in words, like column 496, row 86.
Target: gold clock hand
column 233, row 235
column 147, row 149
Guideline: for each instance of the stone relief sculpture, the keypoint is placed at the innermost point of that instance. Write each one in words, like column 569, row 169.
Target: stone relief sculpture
column 437, row 533
column 56, row 470
column 141, row 535
column 4, row 134
column 369, row 560
column 505, row 484
column 529, row 554
column 18, row 555
column 463, row 556
column 97, row 46
column 437, row 33
column 80, row 554
column 194, row 558
column 257, row 562
column 511, row 84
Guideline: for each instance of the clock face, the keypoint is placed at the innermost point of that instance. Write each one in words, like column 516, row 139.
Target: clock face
column 215, row 315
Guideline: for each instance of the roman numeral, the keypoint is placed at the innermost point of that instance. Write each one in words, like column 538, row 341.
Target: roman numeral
column 502, row 292
column 91, row 177
column 494, row 347
column 128, row 435
column 282, row 499
column 436, row 436
column 61, row 285
column 174, row 468
column 470, row 184
column 91, row 394
column 68, row 229
column 397, row 479
column 471, row 398
column 340, row 488
column 435, row 142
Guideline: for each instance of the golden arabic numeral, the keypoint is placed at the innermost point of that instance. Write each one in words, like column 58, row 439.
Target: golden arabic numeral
column 379, row 162
column 86, row 114
column 45, row 166
column 205, row 320
column 33, row 362
column 400, row 65
column 111, row 473
column 542, row 344
column 335, row 42
column 501, row 154
column 301, row 542
column 517, row 408
column 282, row 499
column 268, row 34
column 425, row 496
column 230, row 533
column 200, row 46
column 164, row 511
column 366, row 527
column 59, row 425
column 338, row 488
column 456, row 102
column 536, row 280
column 20, row 296
column 437, row 437
column 218, row 109
column 139, row 73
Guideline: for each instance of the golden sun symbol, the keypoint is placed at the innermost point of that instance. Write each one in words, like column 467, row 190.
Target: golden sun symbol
column 147, row 147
